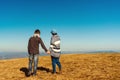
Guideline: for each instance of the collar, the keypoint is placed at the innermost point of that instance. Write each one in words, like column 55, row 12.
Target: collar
column 36, row 35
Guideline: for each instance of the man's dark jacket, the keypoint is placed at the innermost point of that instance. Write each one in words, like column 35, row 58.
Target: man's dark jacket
column 33, row 45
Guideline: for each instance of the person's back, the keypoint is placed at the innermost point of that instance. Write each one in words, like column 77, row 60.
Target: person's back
column 33, row 46
column 55, row 51
column 33, row 50
column 55, row 46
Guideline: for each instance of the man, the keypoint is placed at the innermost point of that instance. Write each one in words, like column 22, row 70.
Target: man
column 33, row 50
column 55, row 51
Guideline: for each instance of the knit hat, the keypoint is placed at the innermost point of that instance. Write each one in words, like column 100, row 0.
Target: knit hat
column 53, row 31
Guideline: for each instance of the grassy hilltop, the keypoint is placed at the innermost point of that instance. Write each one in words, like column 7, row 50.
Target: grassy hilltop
column 74, row 67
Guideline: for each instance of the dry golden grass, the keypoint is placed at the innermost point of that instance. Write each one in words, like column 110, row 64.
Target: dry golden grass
column 74, row 67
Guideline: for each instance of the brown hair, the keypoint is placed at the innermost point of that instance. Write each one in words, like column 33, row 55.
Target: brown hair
column 37, row 31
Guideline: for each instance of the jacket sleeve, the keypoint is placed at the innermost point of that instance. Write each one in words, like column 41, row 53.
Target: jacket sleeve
column 42, row 44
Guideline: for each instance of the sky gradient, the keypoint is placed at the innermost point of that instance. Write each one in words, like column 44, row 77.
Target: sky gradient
column 83, row 25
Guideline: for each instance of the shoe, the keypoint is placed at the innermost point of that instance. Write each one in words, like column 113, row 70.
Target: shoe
column 60, row 72
column 53, row 72
column 29, row 73
column 34, row 74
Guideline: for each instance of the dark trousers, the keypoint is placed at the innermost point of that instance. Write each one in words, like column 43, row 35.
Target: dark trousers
column 54, row 62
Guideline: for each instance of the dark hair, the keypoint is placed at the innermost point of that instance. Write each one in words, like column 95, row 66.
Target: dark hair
column 37, row 31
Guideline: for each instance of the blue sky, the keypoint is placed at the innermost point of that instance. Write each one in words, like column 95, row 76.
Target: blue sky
column 82, row 24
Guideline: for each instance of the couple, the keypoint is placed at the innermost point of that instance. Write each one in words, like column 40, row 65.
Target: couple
column 33, row 50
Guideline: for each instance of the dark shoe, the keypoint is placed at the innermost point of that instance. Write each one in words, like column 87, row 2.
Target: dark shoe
column 34, row 73
column 60, row 72
column 53, row 72
column 29, row 73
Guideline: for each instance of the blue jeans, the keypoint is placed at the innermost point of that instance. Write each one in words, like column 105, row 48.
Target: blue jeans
column 33, row 58
column 54, row 62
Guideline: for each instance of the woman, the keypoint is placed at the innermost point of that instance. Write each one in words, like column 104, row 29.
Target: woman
column 55, row 51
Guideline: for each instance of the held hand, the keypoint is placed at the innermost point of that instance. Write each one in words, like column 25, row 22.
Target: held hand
column 48, row 52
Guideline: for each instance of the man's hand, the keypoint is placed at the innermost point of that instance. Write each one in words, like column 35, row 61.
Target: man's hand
column 48, row 52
